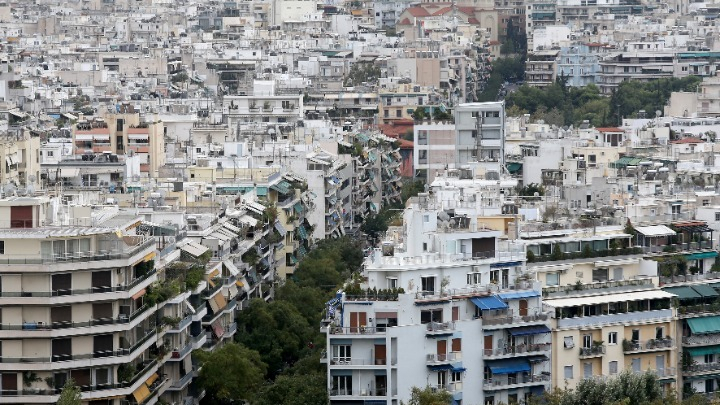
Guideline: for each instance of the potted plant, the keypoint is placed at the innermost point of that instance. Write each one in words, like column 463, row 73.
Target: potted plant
column 266, row 106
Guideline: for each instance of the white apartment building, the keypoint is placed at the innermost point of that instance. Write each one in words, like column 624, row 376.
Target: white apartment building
column 445, row 303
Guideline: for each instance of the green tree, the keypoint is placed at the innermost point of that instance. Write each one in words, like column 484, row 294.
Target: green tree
column 419, row 114
column 426, row 396
column 230, row 373
column 278, row 331
column 305, row 383
column 307, row 300
column 70, row 394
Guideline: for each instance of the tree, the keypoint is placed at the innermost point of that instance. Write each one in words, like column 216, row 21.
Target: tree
column 302, row 384
column 427, row 396
column 70, row 394
column 418, row 114
column 232, row 372
column 307, row 300
column 278, row 331
column 626, row 388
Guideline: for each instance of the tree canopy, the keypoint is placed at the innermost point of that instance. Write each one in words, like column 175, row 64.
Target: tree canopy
column 427, row 396
column 231, row 372
column 563, row 105
column 70, row 394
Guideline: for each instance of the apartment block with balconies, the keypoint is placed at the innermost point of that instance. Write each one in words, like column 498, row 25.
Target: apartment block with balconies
column 433, row 290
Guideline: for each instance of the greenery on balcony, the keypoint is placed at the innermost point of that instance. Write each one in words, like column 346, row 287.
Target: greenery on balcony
column 586, row 253
column 354, row 292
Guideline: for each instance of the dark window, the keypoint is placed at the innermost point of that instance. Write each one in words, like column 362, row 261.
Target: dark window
column 431, row 315
column 61, row 316
column 9, row 383
column 62, row 284
column 81, row 377
column 120, row 124
column 102, row 346
column 21, row 217
column 62, row 349
column 101, row 281
column 2, row 247
column 103, row 311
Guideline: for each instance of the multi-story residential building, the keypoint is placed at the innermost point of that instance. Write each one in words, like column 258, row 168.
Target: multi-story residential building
column 641, row 66
column 442, row 281
column 579, row 64
column 19, row 152
column 541, row 67
column 608, row 313
column 399, row 101
column 480, row 131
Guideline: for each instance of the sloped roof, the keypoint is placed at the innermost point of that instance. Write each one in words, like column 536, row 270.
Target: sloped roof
column 417, row 12
column 609, row 129
column 689, row 139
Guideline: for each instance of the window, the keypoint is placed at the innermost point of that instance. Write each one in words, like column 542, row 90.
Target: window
column 612, row 338
column 398, row 113
column 636, row 365
column 569, row 344
column 710, row 358
column 456, row 376
column 2, row 247
column 456, row 345
column 495, row 276
column 49, row 153
column 659, row 332
column 426, row 218
column 442, row 378
column 428, row 284
column 392, row 282
column 552, row 279
column 635, row 335
column 717, row 216
column 612, row 366
column 709, row 385
column 431, row 315
column 587, row 370
column 342, row 384
column 587, row 341
column 600, row 275
column 473, row 278
column 425, row 247
column 568, row 372
column 341, row 353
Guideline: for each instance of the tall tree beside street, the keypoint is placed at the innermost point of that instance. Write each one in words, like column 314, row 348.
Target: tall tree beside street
column 70, row 394
column 230, row 373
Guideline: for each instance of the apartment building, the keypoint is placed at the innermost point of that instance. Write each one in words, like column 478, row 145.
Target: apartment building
column 443, row 280
column 401, row 100
column 608, row 313
column 480, row 131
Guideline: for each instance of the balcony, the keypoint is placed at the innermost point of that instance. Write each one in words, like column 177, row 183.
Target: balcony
column 179, row 354
column 502, row 383
column 80, row 257
column 357, row 330
column 680, row 247
column 519, row 350
column 437, row 328
column 434, row 358
column 648, row 346
column 594, row 351
column 366, row 392
column 182, row 382
column 626, row 318
column 702, row 340
column 701, row 368
column 513, row 320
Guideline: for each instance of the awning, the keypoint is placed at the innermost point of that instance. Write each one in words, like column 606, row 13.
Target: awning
column 70, row 116
column 101, row 137
column 231, row 267
column 139, row 294
column 280, row 228
column 138, row 136
column 218, row 329
column 256, row 207
column 608, row 298
column 221, row 236
column 220, row 301
column 488, row 303
column 683, row 293
column 302, row 232
column 514, row 167
column 231, row 227
column 248, row 220
column 83, row 137
column 655, row 230
column 705, row 290
column 703, row 351
column 141, row 393
column 261, row 191
column 509, row 366
column 298, row 208
column 708, row 324
column 458, row 368
column 529, row 330
column 195, row 249
column 516, row 295
column 440, row 367
column 69, row 172
column 152, row 379
column 702, row 255
column 283, row 187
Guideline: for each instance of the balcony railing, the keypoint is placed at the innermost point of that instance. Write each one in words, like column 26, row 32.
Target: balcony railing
column 79, row 257
column 500, row 382
column 519, row 349
column 514, row 319
column 357, row 330
column 93, row 290
column 687, row 278
column 443, row 358
column 606, row 286
column 701, row 368
column 39, row 326
column 652, row 344
column 679, row 247
column 368, row 392
column 624, row 318
column 593, row 351
column 437, row 327
column 701, row 340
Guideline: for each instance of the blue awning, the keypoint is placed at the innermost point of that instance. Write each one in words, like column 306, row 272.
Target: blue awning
column 488, row 303
column 280, row 228
column 702, row 255
column 529, row 330
column 441, row 367
column 458, row 368
column 516, row 295
column 509, row 366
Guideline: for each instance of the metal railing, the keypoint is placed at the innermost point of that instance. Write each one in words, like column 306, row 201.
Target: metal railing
column 592, row 351
column 650, row 344
column 702, row 368
column 495, row 383
column 702, row 340
column 440, row 327
column 40, row 326
column 443, row 357
column 93, row 290
column 519, row 349
column 79, row 257
column 356, row 330
column 513, row 319
column 679, row 247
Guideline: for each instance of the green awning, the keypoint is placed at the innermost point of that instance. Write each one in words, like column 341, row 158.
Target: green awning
column 298, row 208
column 708, row 324
column 626, row 161
column 261, row 191
column 293, row 259
column 702, row 255
column 514, row 167
column 702, row 351
column 683, row 293
column 302, row 232
column 705, row 290
column 283, row 187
